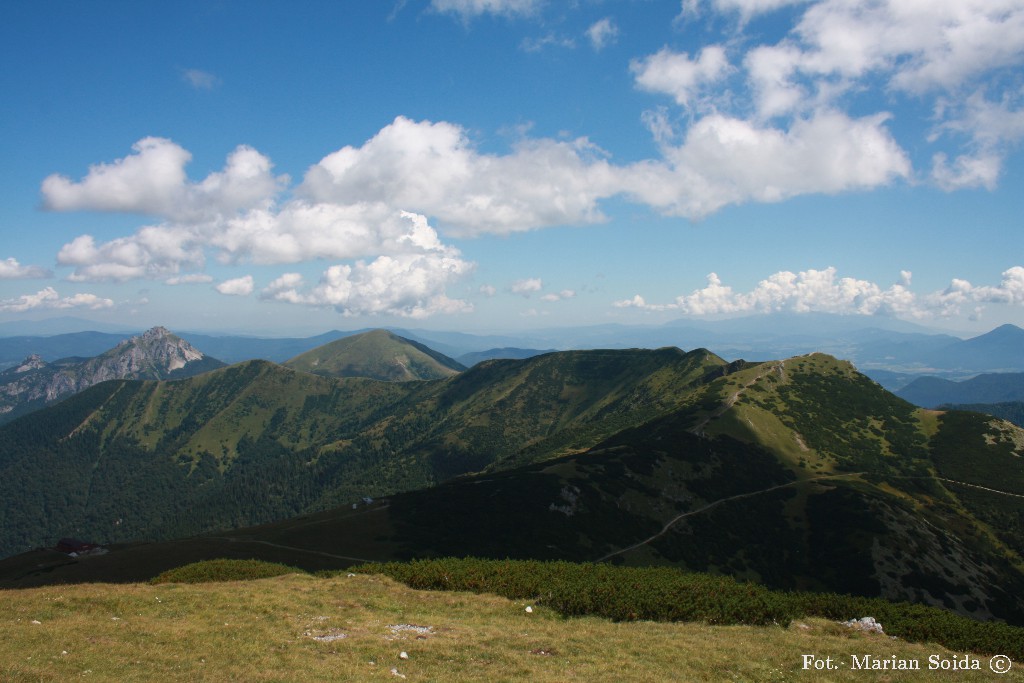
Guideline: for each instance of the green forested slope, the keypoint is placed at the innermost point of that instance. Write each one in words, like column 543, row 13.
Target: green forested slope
column 255, row 442
column 799, row 474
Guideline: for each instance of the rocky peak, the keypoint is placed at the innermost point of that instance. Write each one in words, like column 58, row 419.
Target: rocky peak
column 154, row 354
column 33, row 362
column 151, row 355
column 157, row 332
column 151, row 335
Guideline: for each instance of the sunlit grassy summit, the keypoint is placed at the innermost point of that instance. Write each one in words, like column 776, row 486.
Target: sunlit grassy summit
column 377, row 354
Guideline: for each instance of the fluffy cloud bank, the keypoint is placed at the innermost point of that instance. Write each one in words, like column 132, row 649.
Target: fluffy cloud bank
column 152, row 181
column 744, row 119
column 235, row 214
column 434, row 169
column 823, row 292
column 48, row 298
column 410, row 284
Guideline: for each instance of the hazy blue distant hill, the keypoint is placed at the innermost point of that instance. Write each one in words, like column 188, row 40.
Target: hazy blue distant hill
column 234, row 348
column 61, row 325
column 930, row 392
column 892, row 381
column 873, row 343
column 13, row 350
column 1002, row 349
column 471, row 359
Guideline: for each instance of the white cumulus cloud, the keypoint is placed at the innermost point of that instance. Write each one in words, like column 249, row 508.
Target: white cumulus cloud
column 823, row 291
column 48, row 298
column 676, row 74
column 11, row 269
column 434, row 169
column 409, row 285
column 411, row 280
column 726, row 160
column 153, row 181
column 527, row 286
column 239, row 286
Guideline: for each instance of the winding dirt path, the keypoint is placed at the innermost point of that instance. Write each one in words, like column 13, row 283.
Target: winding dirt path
column 749, row 494
column 233, row 539
column 674, row 520
column 731, row 399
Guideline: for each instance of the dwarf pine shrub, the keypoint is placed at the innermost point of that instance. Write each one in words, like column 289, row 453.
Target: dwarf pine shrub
column 224, row 570
column 669, row 594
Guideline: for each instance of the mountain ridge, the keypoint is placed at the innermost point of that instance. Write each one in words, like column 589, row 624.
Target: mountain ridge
column 795, row 473
column 154, row 354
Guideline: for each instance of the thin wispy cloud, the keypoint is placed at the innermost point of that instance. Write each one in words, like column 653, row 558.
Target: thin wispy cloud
column 199, row 79
column 469, row 9
column 602, row 33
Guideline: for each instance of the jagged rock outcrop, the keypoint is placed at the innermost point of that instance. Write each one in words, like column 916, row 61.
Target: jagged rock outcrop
column 155, row 354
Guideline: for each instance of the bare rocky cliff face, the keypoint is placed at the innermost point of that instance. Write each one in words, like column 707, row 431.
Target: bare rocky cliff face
column 155, row 354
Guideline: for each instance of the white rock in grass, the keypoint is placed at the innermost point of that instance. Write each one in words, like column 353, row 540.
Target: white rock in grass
column 403, row 655
column 529, row 610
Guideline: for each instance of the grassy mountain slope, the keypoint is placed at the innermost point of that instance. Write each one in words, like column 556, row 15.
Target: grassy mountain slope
column 799, row 474
column 377, row 354
column 298, row 627
column 255, row 442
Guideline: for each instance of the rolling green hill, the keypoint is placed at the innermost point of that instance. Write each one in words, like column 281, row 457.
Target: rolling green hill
column 799, row 474
column 377, row 354
column 255, row 442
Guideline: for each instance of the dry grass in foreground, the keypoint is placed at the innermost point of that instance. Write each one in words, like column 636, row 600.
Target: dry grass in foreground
column 303, row 628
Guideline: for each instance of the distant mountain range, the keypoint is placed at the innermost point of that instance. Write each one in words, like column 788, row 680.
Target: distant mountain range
column 931, row 392
column 156, row 354
column 799, row 473
column 891, row 352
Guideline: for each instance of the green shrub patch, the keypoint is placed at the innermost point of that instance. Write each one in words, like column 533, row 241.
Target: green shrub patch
column 224, row 570
column 669, row 594
column 618, row 593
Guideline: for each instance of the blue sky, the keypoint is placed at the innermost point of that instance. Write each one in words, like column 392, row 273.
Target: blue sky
column 493, row 165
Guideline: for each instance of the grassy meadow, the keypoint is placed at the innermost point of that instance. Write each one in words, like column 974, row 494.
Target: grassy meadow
column 299, row 627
